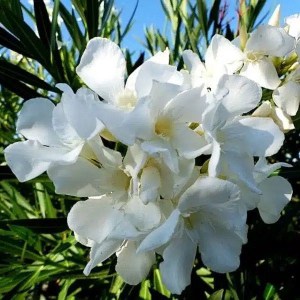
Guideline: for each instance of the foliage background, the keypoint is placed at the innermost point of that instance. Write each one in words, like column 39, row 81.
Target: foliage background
column 39, row 257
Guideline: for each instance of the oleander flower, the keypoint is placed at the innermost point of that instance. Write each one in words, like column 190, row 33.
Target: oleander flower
column 276, row 191
column 56, row 135
column 209, row 217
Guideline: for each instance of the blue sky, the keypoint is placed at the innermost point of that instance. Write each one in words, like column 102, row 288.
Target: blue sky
column 149, row 12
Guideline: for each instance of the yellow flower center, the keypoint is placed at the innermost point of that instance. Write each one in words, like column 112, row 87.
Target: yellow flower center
column 254, row 56
column 127, row 99
column 164, row 127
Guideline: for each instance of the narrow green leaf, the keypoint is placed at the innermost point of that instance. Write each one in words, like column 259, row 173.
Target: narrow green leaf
column 202, row 18
column 73, row 27
column 92, row 17
column 11, row 247
column 7, row 40
column 44, row 201
column 107, row 9
column 269, row 292
column 42, row 22
column 47, row 225
column 25, row 34
column 65, row 287
column 214, row 13
column 144, row 291
column 130, row 22
column 17, row 8
column 54, row 24
column 158, row 284
column 221, row 295
column 18, row 87
column 16, row 73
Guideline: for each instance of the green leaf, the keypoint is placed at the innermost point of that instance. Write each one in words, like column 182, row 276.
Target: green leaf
column 129, row 23
column 46, row 207
column 7, row 40
column 221, row 295
column 92, row 17
column 202, row 18
column 42, row 22
column 214, row 12
column 72, row 27
column 269, row 292
column 17, row 8
column 47, row 225
column 25, row 34
column 14, row 72
column 18, row 87
column 158, row 284
column 54, row 24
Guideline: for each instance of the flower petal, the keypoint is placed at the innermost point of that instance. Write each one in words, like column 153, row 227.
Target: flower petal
column 81, row 179
column 150, row 183
column 281, row 119
column 102, row 67
column 207, row 191
column 270, row 40
column 188, row 106
column 238, row 87
column 163, row 234
column 160, row 95
column 100, row 252
column 293, row 25
column 187, row 142
column 178, row 263
column 127, row 126
column 222, row 52
column 161, row 57
column 252, row 135
column 239, row 166
column 30, row 159
column 220, row 247
column 150, row 72
column 63, row 128
column 195, row 66
column 35, row 121
column 262, row 72
column 263, row 169
column 167, row 153
column 143, row 217
column 276, row 193
column 79, row 110
column 95, row 218
column 134, row 267
column 287, row 97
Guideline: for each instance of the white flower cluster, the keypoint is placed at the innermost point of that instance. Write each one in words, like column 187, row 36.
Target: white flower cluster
column 156, row 199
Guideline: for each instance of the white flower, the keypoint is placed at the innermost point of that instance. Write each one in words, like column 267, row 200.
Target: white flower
column 103, row 67
column 233, row 139
column 221, row 57
column 151, row 176
column 287, row 96
column 264, row 42
column 231, row 148
column 98, row 170
column 56, row 134
column 170, row 114
column 293, row 24
column 107, row 226
column 282, row 119
column 209, row 216
column 276, row 191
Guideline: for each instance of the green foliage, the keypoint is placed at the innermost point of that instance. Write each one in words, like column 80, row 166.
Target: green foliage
column 39, row 257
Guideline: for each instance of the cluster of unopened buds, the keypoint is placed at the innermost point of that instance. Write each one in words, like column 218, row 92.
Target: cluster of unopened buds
column 170, row 161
